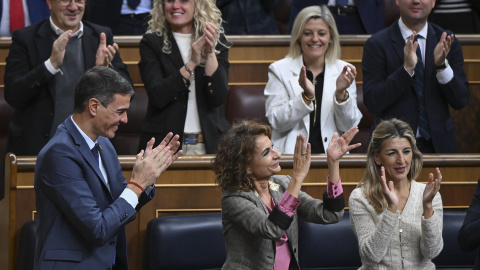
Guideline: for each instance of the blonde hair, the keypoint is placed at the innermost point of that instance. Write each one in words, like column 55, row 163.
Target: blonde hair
column 204, row 11
column 315, row 12
column 381, row 136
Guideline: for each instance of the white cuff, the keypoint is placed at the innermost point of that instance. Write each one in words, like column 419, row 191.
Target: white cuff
column 445, row 75
column 130, row 197
column 50, row 67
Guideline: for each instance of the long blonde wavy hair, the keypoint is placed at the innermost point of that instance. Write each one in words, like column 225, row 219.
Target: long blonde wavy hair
column 381, row 136
column 204, row 11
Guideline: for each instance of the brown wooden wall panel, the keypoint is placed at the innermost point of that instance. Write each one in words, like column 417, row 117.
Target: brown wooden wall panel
column 471, row 70
column 248, row 74
column 135, row 74
column 2, row 73
column 467, row 123
column 253, row 53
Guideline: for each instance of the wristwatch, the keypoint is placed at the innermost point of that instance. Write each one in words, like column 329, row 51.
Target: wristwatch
column 444, row 66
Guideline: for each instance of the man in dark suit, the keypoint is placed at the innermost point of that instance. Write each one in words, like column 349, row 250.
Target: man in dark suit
column 469, row 234
column 44, row 62
column 82, row 198
column 417, row 89
column 351, row 17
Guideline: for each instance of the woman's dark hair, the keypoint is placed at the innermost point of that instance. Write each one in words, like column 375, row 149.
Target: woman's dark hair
column 235, row 153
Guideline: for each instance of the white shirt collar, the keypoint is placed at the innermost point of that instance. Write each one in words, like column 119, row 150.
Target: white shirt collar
column 89, row 141
column 406, row 32
column 59, row 31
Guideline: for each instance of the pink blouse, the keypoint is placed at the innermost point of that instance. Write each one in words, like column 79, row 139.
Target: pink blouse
column 289, row 205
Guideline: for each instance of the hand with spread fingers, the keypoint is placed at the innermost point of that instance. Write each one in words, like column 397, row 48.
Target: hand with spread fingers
column 151, row 163
column 340, row 146
column 431, row 189
column 336, row 149
column 105, row 54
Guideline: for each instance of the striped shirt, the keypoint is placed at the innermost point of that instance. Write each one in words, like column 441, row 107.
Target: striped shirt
column 452, row 6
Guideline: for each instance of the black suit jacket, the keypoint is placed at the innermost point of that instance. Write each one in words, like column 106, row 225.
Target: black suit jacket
column 81, row 218
column 29, row 86
column 389, row 91
column 370, row 12
column 469, row 234
column 104, row 12
column 168, row 94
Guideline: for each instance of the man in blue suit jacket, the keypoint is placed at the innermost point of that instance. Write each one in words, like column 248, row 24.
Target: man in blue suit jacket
column 82, row 198
column 365, row 17
column 390, row 88
column 37, row 11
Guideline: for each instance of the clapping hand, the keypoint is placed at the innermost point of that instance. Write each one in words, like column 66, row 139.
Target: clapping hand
column 345, row 79
column 442, row 49
column 58, row 49
column 105, row 53
column 174, row 144
column 301, row 158
column 433, row 186
column 152, row 162
column 410, row 53
column 339, row 146
column 305, row 83
column 389, row 192
column 210, row 35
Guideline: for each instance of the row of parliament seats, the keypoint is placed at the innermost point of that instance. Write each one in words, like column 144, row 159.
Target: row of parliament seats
column 195, row 242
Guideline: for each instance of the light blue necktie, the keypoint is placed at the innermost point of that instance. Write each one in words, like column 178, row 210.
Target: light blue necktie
column 342, row 3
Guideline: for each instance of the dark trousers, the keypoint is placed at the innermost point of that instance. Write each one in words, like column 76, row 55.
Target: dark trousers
column 425, row 146
column 349, row 24
column 132, row 24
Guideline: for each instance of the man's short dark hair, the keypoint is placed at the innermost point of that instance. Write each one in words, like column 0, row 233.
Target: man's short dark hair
column 101, row 83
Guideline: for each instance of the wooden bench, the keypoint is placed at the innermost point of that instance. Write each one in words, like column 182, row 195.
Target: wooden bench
column 187, row 187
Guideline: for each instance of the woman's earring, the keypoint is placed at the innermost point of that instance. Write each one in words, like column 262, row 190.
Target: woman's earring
column 250, row 182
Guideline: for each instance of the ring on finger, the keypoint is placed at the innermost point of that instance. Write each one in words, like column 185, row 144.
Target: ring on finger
column 303, row 154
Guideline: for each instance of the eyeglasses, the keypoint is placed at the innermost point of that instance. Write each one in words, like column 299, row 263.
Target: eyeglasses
column 66, row 3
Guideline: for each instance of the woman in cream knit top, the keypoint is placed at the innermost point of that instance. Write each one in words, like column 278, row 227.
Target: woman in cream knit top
column 398, row 221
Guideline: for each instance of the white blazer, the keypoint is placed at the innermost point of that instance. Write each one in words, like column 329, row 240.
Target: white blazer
column 289, row 115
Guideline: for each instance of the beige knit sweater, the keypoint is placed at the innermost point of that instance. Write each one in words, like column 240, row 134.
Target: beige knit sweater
column 405, row 240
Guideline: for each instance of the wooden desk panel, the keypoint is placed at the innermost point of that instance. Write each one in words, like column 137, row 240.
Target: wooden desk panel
column 188, row 187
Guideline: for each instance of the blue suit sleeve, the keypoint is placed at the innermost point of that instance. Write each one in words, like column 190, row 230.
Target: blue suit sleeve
column 65, row 179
